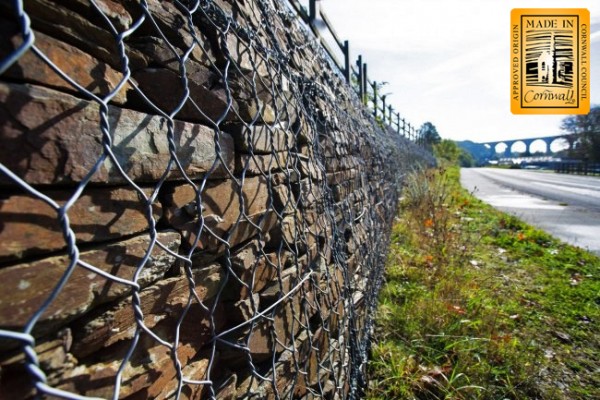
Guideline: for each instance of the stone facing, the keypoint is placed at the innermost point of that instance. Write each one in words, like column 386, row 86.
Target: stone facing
column 234, row 211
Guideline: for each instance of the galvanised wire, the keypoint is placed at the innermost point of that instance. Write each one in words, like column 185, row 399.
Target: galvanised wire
column 351, row 227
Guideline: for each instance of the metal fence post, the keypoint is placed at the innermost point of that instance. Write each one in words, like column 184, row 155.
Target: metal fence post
column 364, row 83
column 313, row 11
column 361, row 92
column 404, row 128
column 375, row 99
column 347, row 71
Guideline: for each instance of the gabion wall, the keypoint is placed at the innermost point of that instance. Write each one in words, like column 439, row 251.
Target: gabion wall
column 194, row 204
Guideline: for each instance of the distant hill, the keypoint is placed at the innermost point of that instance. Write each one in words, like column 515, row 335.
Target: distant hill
column 479, row 152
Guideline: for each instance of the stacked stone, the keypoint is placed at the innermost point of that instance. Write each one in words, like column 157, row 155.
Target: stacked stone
column 194, row 204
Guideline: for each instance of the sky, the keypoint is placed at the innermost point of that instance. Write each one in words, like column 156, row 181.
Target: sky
column 447, row 61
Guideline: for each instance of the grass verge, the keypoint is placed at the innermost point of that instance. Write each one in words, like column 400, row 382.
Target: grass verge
column 479, row 305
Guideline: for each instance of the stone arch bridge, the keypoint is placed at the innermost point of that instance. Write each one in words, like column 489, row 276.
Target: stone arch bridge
column 528, row 142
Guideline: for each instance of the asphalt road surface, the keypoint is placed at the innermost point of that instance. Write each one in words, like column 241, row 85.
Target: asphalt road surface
column 566, row 206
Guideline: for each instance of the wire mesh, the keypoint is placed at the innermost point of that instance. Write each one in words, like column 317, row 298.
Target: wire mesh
column 195, row 204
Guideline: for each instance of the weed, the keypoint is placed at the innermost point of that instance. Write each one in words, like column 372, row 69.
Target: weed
column 478, row 305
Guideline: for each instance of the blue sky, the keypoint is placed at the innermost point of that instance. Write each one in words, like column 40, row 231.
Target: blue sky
column 447, row 61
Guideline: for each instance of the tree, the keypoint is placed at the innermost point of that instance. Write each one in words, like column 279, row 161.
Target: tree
column 448, row 151
column 587, row 129
column 429, row 136
column 465, row 159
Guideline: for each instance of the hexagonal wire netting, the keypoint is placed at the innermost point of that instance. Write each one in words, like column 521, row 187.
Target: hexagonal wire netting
column 195, row 204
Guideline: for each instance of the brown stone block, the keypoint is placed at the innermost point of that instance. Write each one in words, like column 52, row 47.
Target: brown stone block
column 336, row 178
column 285, row 373
column 255, row 110
column 250, row 226
column 221, row 200
column 259, row 164
column 111, row 9
column 336, row 318
column 165, row 385
column 173, row 23
column 160, row 54
column 341, row 164
column 244, row 57
column 250, row 386
column 259, row 103
column 255, row 268
column 207, row 102
column 342, row 191
column 162, row 304
column 331, row 300
column 336, row 283
column 260, row 139
column 227, row 390
column 224, row 216
column 279, row 287
column 328, row 146
column 94, row 75
column 353, row 264
column 242, row 310
column 358, row 240
column 30, row 226
column 52, row 137
column 150, row 374
column 289, row 232
column 283, row 328
column 309, row 193
column 308, row 362
column 53, row 357
column 81, row 27
column 227, row 46
column 32, row 283
column 287, row 176
column 283, row 200
column 310, row 169
column 305, row 132
column 267, row 337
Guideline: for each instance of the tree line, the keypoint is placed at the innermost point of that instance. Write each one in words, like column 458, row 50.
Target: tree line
column 587, row 129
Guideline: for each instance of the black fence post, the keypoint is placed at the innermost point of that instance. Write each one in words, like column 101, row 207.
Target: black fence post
column 364, row 83
column 398, row 121
column 347, row 71
column 375, row 99
column 383, row 108
column 313, row 11
column 359, row 64
column 390, row 114
column 404, row 128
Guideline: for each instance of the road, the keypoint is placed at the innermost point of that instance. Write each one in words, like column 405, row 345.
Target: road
column 567, row 206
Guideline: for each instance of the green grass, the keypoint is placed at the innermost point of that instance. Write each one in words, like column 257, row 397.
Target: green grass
column 479, row 305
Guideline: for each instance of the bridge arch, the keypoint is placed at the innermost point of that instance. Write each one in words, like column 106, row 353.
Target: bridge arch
column 518, row 147
column 539, row 146
column 500, row 148
column 558, row 144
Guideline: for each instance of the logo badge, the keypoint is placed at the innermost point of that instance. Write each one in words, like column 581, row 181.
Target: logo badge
column 550, row 61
